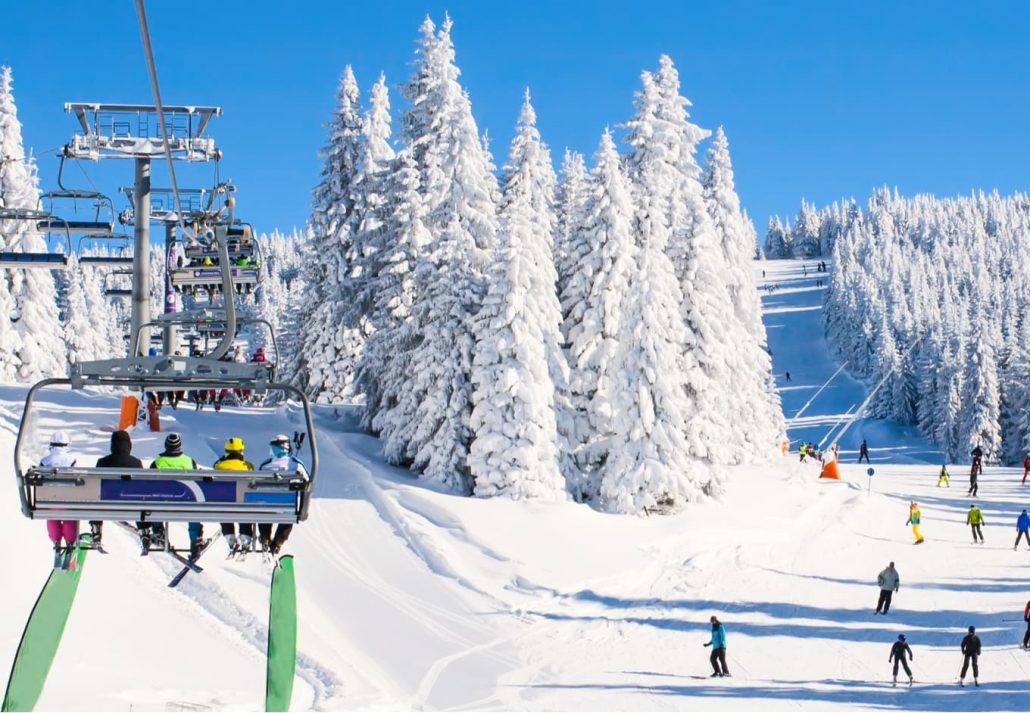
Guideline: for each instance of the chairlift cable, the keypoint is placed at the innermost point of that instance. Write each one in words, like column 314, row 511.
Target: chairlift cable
column 148, row 50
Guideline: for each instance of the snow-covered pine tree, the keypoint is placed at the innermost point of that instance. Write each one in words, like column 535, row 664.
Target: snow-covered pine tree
column 572, row 190
column 323, row 363
column 592, row 303
column 40, row 347
column 765, row 426
column 515, row 451
column 805, row 233
column 648, row 463
column 711, row 354
column 429, row 426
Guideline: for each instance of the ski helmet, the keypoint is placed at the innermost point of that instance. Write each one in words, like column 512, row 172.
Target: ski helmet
column 901, row 637
column 60, row 438
column 972, row 629
column 280, row 440
column 234, row 444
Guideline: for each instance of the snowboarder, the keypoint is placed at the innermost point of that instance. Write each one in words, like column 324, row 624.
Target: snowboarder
column 59, row 457
column 975, row 518
column 943, row 477
column 718, row 644
column 234, row 460
column 970, row 654
column 172, row 458
column 889, row 581
column 898, row 651
column 1026, row 467
column 120, row 457
column 1026, row 618
column 863, row 451
column 1022, row 529
column 913, row 520
column 786, row 376
column 282, row 461
column 977, row 455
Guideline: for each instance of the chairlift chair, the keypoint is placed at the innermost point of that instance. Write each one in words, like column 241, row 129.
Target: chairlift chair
column 35, row 259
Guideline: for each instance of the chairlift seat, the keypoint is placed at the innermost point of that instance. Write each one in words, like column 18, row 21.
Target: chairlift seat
column 117, row 292
column 211, row 276
column 106, row 261
column 236, row 249
column 150, row 495
column 85, row 227
column 43, row 261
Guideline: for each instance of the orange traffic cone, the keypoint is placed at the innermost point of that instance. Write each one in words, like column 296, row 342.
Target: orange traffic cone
column 830, row 470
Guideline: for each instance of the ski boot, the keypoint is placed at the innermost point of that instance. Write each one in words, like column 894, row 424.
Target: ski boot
column 231, row 541
column 58, row 555
column 910, row 681
column 976, row 683
column 144, row 543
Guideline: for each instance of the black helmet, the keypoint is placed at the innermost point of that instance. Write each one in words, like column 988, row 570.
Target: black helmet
column 901, row 637
column 972, row 629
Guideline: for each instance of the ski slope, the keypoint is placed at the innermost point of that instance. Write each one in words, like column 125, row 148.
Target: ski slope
column 411, row 598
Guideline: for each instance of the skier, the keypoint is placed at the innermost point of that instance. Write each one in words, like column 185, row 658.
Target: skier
column 898, row 651
column 120, row 457
column 281, row 461
column 970, row 653
column 863, row 451
column 172, row 458
column 975, row 518
column 1026, row 467
column 59, row 457
column 786, row 376
column 913, row 520
column 718, row 644
column 889, row 581
column 943, row 477
column 803, row 449
column 1026, row 618
column 1022, row 529
column 977, row 454
column 234, row 460
column 974, row 486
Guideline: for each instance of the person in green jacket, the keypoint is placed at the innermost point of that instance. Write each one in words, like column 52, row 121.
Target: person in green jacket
column 802, row 449
column 943, row 477
column 172, row 458
column 975, row 518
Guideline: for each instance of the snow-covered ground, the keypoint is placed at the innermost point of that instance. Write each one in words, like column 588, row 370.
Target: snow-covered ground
column 414, row 598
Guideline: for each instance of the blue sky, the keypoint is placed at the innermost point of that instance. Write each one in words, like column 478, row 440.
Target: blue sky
column 819, row 99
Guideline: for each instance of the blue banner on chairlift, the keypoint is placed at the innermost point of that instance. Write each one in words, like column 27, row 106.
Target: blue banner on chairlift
column 169, row 491
column 271, row 498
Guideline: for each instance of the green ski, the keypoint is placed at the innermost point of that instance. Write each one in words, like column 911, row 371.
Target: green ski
column 282, row 637
column 43, row 632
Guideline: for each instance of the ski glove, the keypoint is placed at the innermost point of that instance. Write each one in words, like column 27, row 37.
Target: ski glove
column 708, row 644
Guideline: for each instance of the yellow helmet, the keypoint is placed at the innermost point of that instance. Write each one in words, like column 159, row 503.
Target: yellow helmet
column 234, row 444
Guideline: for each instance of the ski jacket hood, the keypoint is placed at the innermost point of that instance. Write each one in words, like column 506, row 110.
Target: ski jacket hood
column 58, row 457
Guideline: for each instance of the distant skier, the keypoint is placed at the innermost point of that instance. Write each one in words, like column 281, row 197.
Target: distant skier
column 974, row 486
column 889, row 581
column 803, row 450
column 975, row 518
column 281, row 461
column 120, row 457
column 1022, row 529
column 1026, row 467
column 942, row 477
column 863, row 451
column 171, row 458
column 898, row 654
column 970, row 654
column 718, row 644
column 786, row 376
column 59, row 457
column 1026, row 618
column 913, row 520
column 977, row 455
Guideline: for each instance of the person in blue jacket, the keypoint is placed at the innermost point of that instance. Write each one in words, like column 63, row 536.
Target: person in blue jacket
column 1022, row 529
column 718, row 644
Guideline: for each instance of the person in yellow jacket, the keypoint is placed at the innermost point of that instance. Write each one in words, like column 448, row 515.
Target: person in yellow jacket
column 975, row 518
column 943, row 477
column 234, row 460
column 803, row 449
column 913, row 520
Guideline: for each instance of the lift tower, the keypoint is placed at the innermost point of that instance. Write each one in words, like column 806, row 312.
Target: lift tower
column 131, row 131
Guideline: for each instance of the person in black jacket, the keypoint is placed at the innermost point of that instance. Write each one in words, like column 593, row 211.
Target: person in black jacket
column 119, row 457
column 970, row 653
column 863, row 451
column 898, row 651
column 977, row 454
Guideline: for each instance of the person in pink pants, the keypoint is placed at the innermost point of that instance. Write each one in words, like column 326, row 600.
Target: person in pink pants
column 59, row 457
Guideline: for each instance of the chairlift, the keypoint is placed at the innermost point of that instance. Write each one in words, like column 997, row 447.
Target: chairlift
column 148, row 495
column 114, row 291
column 34, row 259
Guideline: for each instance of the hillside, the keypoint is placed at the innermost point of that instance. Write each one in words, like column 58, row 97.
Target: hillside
column 414, row 598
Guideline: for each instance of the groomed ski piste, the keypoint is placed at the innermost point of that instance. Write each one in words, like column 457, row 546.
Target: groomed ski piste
column 412, row 598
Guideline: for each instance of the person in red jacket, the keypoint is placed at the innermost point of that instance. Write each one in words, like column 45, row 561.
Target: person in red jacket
column 1026, row 467
column 1026, row 636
